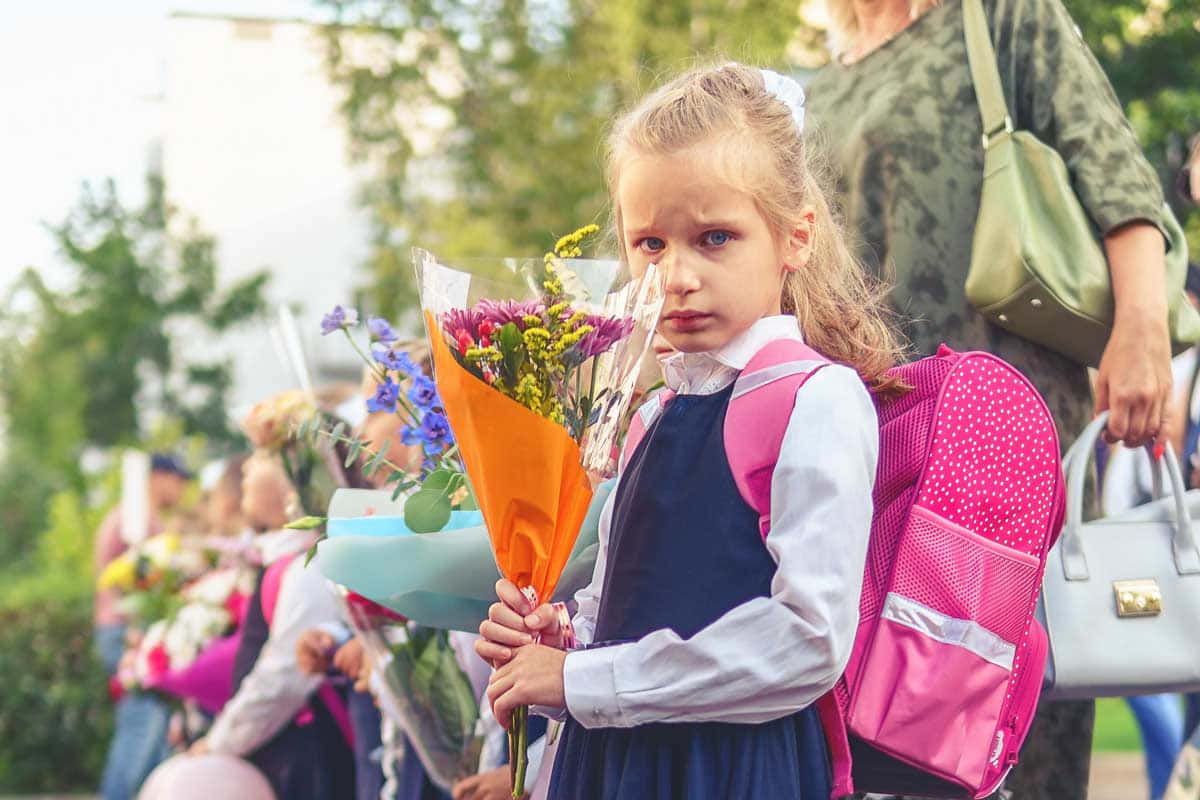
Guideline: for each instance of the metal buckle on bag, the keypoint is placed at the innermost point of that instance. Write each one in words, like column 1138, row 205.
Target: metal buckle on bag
column 1140, row 598
column 987, row 135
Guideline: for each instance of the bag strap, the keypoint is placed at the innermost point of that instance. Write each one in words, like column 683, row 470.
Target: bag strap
column 985, row 75
column 271, row 583
column 643, row 420
column 759, row 411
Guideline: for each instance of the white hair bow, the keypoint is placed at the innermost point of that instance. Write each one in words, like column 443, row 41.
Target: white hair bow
column 788, row 92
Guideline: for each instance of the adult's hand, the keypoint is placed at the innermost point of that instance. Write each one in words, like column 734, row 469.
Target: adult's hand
column 1134, row 383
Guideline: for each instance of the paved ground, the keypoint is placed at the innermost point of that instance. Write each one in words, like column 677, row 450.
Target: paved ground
column 1118, row 776
column 1115, row 776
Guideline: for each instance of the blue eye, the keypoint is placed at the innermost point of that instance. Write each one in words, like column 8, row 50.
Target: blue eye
column 716, row 238
column 652, row 244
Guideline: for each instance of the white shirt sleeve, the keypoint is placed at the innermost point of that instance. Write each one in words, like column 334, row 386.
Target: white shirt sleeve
column 770, row 656
column 275, row 690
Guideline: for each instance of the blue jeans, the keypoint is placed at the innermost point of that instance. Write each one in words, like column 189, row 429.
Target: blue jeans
column 1160, row 720
column 139, row 740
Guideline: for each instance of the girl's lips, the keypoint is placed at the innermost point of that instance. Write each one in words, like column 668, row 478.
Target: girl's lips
column 686, row 320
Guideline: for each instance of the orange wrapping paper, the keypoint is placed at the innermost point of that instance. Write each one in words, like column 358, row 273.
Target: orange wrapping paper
column 525, row 471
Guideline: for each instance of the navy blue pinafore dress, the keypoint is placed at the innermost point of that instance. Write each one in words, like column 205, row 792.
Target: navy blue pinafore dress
column 684, row 548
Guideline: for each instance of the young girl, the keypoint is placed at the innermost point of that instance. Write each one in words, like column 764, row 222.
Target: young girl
column 707, row 645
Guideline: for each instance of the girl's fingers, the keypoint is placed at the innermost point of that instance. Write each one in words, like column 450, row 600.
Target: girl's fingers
column 492, row 652
column 502, row 634
column 511, row 596
column 545, row 617
column 503, row 615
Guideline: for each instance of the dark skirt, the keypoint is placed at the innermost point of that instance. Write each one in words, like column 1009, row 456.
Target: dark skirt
column 308, row 762
column 782, row 759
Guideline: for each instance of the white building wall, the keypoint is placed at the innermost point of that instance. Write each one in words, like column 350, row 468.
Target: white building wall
column 255, row 150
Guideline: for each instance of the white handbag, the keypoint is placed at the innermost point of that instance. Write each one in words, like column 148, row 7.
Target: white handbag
column 1121, row 595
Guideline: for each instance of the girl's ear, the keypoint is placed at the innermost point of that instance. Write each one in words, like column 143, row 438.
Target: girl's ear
column 798, row 247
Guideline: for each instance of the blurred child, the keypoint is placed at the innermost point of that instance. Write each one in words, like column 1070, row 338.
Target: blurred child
column 287, row 723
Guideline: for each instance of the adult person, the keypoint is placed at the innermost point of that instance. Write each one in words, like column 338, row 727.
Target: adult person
column 898, row 110
column 140, row 734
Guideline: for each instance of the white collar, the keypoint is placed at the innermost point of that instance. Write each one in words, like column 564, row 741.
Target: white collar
column 711, row 371
column 274, row 545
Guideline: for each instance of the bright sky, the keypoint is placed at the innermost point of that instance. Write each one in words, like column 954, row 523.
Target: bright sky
column 82, row 87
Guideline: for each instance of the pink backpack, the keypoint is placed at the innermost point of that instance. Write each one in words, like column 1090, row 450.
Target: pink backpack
column 947, row 665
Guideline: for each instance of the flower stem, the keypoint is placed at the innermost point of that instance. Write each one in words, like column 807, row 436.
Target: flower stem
column 520, row 756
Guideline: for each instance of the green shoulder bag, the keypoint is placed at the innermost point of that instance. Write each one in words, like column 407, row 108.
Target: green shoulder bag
column 1038, row 268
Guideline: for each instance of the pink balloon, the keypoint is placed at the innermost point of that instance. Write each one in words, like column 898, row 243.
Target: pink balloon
column 206, row 777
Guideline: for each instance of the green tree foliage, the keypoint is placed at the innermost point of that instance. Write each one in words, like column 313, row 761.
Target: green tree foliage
column 482, row 121
column 82, row 366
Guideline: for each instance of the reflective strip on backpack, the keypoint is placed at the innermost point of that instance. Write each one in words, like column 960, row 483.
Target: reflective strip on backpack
column 964, row 633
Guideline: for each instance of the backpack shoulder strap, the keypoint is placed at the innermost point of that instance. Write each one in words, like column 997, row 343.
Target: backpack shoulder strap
column 758, row 415
column 271, row 583
column 642, row 421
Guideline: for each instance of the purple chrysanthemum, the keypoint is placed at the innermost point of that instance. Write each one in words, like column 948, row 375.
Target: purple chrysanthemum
column 606, row 331
column 462, row 319
column 502, row 312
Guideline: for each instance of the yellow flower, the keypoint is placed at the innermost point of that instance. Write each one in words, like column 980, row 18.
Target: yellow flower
column 121, row 573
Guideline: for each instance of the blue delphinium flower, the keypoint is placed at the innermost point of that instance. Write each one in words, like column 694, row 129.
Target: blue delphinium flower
column 435, row 432
column 400, row 362
column 423, row 393
column 386, row 395
column 338, row 319
column 381, row 330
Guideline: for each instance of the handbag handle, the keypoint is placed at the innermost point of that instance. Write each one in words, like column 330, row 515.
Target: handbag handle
column 1183, row 543
column 985, row 75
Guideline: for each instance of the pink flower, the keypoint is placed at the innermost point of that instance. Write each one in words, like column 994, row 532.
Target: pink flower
column 606, row 331
column 457, row 319
column 157, row 660
column 502, row 312
column 463, row 339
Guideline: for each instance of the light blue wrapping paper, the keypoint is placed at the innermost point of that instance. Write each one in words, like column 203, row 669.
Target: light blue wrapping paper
column 444, row 580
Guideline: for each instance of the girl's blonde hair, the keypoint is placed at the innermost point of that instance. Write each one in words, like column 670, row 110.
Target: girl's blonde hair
column 751, row 138
column 843, row 22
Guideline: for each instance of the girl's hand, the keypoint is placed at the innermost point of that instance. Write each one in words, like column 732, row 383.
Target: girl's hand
column 533, row 676
column 511, row 623
column 494, row 784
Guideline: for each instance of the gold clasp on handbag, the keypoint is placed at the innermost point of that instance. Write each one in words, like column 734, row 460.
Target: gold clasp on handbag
column 1140, row 598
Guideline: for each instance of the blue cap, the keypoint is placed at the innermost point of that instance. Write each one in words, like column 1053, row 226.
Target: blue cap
column 167, row 462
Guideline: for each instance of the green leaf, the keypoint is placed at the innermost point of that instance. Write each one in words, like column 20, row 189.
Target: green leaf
column 305, row 524
column 440, row 481
column 427, row 511
column 512, row 349
column 356, row 447
column 401, row 487
column 338, row 430
column 377, row 460
column 312, row 551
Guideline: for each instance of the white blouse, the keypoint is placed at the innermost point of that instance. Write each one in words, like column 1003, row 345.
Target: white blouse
column 770, row 656
column 275, row 690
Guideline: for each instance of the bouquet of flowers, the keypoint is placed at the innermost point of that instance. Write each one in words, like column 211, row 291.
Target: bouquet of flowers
column 190, row 652
column 424, row 689
column 150, row 574
column 535, row 362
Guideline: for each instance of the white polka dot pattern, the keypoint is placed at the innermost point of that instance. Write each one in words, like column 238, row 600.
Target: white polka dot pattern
column 994, row 460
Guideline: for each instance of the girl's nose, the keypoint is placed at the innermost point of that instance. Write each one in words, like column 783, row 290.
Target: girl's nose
column 679, row 276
